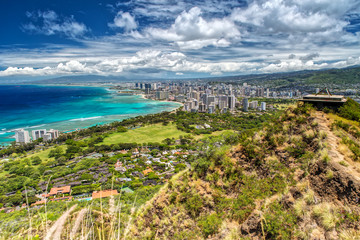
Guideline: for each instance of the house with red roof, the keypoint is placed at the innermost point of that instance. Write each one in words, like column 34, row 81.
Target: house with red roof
column 104, row 193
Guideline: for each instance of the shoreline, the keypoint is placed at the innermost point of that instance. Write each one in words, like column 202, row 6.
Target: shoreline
column 144, row 97
column 102, row 120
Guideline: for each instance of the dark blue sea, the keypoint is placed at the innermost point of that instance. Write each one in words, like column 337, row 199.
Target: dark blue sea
column 67, row 108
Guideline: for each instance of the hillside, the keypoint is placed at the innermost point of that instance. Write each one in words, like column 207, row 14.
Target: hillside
column 288, row 181
column 295, row 176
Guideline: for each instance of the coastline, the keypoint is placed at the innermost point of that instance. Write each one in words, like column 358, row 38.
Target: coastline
column 86, row 121
column 168, row 101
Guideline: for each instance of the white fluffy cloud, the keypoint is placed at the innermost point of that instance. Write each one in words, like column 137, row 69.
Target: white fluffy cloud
column 191, row 31
column 295, row 16
column 124, row 20
column 260, row 36
column 178, row 63
column 49, row 23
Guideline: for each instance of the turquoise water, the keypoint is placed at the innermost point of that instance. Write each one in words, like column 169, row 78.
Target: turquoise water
column 67, row 108
column 84, row 199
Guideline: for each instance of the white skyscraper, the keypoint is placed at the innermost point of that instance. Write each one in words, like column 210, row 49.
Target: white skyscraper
column 22, row 136
column 36, row 134
column 54, row 134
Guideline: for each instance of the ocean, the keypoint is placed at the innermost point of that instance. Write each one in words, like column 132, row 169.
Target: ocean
column 67, row 108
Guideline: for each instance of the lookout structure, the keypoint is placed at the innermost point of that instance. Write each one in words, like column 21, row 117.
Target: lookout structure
column 324, row 99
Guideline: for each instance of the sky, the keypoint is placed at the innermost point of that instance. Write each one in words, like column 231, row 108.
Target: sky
column 174, row 38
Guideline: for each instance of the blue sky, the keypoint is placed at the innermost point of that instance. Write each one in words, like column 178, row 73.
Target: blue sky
column 176, row 39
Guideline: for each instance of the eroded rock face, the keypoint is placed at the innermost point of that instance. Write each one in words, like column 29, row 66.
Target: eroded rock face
column 341, row 186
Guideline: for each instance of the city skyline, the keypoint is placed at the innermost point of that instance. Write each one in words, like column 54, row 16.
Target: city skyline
column 176, row 39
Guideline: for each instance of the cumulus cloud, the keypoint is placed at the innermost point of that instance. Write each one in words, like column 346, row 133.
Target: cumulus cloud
column 155, row 61
column 293, row 16
column 50, row 23
column 124, row 20
column 299, row 21
column 252, row 37
column 293, row 65
column 191, row 31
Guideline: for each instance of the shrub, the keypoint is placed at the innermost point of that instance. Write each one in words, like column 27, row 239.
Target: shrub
column 210, row 224
column 329, row 174
column 324, row 156
column 194, row 204
column 279, row 223
column 343, row 163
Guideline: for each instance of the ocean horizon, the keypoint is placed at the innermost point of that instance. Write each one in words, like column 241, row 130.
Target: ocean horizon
column 68, row 108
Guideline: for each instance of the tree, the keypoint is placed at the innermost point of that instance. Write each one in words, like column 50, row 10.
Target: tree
column 61, row 160
column 55, row 153
column 122, row 129
column 87, row 176
column 36, row 160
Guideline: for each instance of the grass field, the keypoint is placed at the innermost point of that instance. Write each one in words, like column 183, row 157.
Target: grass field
column 151, row 133
column 44, row 154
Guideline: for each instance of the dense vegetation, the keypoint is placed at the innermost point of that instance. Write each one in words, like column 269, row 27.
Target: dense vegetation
column 350, row 110
column 258, row 189
column 31, row 169
column 184, row 121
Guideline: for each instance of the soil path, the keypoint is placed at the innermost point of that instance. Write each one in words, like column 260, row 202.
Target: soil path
column 77, row 223
column 55, row 231
column 333, row 142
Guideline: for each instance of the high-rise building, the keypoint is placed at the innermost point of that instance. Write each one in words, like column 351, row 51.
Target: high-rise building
column 202, row 108
column 231, row 102
column 22, row 136
column 210, row 100
column 211, row 108
column 253, row 104
column 53, row 133
column 47, row 137
column 36, row 134
column 263, row 106
column 245, row 102
column 160, row 95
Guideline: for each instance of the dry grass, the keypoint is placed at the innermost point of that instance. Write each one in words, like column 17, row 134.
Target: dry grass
column 344, row 150
column 300, row 207
column 309, row 197
column 302, row 186
column 326, row 213
column 322, row 134
column 309, row 134
column 349, row 234
column 296, row 138
column 324, row 156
